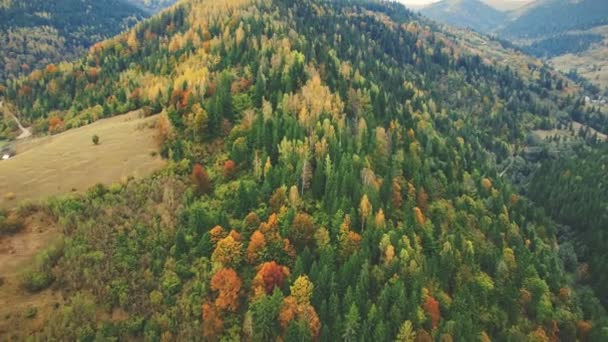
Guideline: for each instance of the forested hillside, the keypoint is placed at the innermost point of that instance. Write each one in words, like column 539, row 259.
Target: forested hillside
column 553, row 17
column 332, row 177
column 580, row 202
column 570, row 35
column 34, row 33
column 473, row 14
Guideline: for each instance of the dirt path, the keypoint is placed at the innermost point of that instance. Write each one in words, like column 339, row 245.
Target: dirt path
column 25, row 133
column 16, row 254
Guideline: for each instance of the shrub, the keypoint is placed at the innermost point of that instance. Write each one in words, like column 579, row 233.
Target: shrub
column 95, row 139
column 31, row 312
column 11, row 223
column 40, row 275
column 35, row 280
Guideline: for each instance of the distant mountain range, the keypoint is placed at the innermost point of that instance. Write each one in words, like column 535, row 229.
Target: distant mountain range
column 550, row 17
column 472, row 14
column 544, row 28
column 536, row 19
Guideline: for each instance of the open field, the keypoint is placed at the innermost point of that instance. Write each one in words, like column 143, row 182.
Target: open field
column 591, row 63
column 16, row 254
column 70, row 162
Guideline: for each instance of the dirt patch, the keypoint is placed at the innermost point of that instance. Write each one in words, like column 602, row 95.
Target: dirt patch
column 69, row 161
column 16, row 254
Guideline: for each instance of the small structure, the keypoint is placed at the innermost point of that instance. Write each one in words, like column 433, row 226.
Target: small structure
column 7, row 152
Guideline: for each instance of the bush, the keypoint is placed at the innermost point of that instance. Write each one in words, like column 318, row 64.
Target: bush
column 95, row 139
column 31, row 312
column 10, row 224
column 35, row 280
column 40, row 275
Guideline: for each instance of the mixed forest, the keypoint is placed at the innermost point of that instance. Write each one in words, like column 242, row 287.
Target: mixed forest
column 35, row 33
column 333, row 176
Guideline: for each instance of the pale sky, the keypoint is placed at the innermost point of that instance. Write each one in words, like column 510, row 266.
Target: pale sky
column 425, row 2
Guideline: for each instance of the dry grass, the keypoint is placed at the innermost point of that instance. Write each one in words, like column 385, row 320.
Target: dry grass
column 69, row 161
column 591, row 63
column 16, row 253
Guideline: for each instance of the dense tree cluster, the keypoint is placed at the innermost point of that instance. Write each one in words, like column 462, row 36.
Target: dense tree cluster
column 35, row 33
column 331, row 178
column 580, row 202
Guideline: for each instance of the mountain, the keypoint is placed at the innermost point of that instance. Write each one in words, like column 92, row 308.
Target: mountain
column 35, row 33
column 568, row 34
column 473, row 14
column 551, row 17
column 505, row 5
column 153, row 6
column 337, row 170
column 571, row 35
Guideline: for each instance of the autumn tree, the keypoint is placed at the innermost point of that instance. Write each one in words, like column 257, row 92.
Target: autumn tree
column 349, row 241
column 365, row 209
column 56, row 125
column 406, row 333
column 200, row 179
column 302, row 230
column 419, row 216
column 302, row 289
column 270, row 275
column 212, row 323
column 228, row 285
column 431, row 307
column 255, row 249
column 228, row 252
column 229, row 169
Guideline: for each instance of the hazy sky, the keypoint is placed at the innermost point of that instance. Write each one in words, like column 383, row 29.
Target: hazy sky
column 424, row 2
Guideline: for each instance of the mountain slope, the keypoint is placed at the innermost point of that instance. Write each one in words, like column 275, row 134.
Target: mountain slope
column 472, row 14
column 36, row 33
column 506, row 5
column 551, row 17
column 153, row 6
column 317, row 190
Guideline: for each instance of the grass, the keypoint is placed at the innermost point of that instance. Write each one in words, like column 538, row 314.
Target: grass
column 59, row 164
column 591, row 64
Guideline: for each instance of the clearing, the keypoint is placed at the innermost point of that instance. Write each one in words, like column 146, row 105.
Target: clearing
column 69, row 161
column 565, row 133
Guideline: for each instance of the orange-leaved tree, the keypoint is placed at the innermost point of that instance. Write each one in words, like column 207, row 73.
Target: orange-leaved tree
column 200, row 178
column 431, row 307
column 270, row 275
column 228, row 284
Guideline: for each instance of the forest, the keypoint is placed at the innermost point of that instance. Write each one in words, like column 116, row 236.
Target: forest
column 332, row 177
column 35, row 33
column 562, row 44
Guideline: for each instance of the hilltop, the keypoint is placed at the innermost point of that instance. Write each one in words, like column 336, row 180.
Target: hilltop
column 473, row 14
